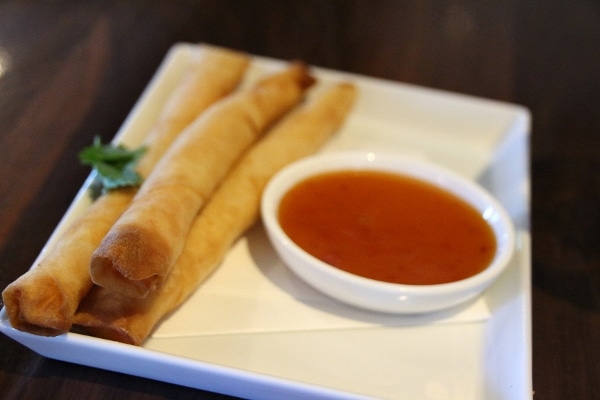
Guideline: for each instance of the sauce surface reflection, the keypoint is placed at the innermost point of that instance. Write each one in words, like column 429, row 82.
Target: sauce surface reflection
column 387, row 227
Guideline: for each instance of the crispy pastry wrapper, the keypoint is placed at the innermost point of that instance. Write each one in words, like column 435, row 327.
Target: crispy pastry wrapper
column 140, row 250
column 233, row 208
column 44, row 299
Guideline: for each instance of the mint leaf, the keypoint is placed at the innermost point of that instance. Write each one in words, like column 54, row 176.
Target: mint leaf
column 115, row 165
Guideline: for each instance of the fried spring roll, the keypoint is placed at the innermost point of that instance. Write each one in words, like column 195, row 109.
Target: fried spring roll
column 233, row 208
column 214, row 73
column 139, row 251
column 43, row 300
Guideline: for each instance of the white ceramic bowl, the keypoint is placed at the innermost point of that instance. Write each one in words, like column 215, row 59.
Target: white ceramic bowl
column 372, row 294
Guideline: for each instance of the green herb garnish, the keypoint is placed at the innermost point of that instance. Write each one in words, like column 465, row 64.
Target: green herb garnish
column 114, row 164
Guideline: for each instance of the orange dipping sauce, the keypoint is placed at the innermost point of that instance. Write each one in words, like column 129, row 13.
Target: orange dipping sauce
column 387, row 227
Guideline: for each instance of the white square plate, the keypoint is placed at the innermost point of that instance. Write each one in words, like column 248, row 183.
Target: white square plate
column 274, row 337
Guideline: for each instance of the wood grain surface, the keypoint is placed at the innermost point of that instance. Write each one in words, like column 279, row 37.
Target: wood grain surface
column 70, row 70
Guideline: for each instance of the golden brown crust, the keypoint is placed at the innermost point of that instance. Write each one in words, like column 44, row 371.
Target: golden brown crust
column 164, row 209
column 214, row 72
column 231, row 210
column 45, row 298
column 36, row 320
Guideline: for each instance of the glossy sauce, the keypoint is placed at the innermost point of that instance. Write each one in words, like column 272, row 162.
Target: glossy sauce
column 387, row 227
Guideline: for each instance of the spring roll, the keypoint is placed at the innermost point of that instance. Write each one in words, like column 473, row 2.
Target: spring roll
column 139, row 251
column 214, row 73
column 43, row 300
column 233, row 208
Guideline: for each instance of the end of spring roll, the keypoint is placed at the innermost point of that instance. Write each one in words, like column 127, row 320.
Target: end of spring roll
column 139, row 251
column 232, row 209
column 44, row 299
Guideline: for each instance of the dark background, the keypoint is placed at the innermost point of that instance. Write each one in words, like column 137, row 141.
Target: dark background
column 72, row 69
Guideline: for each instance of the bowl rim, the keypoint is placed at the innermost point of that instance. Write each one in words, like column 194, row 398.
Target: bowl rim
column 435, row 174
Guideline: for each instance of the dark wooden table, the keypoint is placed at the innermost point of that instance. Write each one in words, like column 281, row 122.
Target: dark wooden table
column 70, row 70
